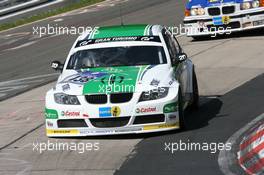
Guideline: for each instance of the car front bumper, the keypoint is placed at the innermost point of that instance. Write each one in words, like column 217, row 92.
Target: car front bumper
column 133, row 118
column 239, row 21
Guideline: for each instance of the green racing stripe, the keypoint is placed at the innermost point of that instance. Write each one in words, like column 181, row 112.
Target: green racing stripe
column 115, row 80
column 120, row 31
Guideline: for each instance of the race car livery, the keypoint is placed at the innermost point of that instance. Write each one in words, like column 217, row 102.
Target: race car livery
column 120, row 80
column 212, row 17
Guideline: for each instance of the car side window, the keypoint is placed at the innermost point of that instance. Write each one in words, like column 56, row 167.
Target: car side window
column 170, row 46
column 176, row 44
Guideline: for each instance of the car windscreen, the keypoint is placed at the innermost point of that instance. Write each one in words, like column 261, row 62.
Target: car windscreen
column 117, row 56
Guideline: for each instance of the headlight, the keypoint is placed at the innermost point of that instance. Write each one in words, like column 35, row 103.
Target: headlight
column 154, row 94
column 245, row 5
column 255, row 4
column 65, row 99
column 197, row 11
column 200, row 11
column 194, row 12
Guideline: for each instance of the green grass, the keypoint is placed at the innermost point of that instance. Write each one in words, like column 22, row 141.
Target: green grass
column 47, row 14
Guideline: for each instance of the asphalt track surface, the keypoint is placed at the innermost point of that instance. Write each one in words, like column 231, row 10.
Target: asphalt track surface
column 229, row 98
column 215, row 122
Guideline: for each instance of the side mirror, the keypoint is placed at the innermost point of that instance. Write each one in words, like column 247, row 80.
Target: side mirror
column 57, row 65
column 181, row 57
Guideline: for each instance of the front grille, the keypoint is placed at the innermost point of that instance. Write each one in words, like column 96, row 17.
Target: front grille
column 96, row 99
column 215, row 11
column 110, row 122
column 232, row 25
column 71, row 123
column 228, row 9
column 144, row 119
column 121, row 97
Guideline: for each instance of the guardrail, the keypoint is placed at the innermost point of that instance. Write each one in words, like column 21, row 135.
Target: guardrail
column 21, row 6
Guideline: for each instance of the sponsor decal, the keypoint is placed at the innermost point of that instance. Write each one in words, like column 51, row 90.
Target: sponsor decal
column 147, row 38
column 83, row 77
column 113, row 79
column 172, row 117
column 70, row 114
column 66, row 87
column 161, row 126
column 171, row 81
column 258, row 23
column 129, row 130
column 226, row 20
column 105, row 112
column 117, row 39
column 155, row 82
column 145, row 70
column 221, row 20
column 146, row 110
column 217, row 21
column 172, row 107
column 121, row 130
column 49, row 124
column 51, row 114
column 54, row 131
column 109, row 80
column 109, row 111
column 86, row 115
column 115, row 111
column 116, row 77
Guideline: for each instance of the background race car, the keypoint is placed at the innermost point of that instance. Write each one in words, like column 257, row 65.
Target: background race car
column 211, row 17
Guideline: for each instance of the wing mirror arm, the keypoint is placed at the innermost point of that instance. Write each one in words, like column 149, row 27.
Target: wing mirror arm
column 57, row 66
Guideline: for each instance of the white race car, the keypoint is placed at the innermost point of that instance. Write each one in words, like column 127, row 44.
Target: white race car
column 212, row 17
column 120, row 80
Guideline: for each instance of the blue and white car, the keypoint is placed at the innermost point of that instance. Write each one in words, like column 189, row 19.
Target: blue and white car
column 212, row 17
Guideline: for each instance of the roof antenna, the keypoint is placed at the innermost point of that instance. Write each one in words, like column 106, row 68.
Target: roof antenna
column 121, row 14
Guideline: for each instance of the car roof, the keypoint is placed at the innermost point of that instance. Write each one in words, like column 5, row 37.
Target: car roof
column 123, row 31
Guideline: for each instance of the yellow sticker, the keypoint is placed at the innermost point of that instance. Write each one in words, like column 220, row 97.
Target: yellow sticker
column 52, row 131
column 115, row 111
column 161, row 126
column 226, row 19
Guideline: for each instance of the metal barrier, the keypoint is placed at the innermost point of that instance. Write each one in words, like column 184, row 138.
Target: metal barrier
column 11, row 6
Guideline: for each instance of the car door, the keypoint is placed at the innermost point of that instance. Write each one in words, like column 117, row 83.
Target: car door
column 181, row 69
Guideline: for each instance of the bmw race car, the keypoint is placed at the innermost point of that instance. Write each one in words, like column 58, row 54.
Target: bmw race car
column 212, row 17
column 120, row 80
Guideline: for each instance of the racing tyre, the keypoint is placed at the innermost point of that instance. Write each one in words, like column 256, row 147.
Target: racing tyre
column 195, row 98
column 181, row 111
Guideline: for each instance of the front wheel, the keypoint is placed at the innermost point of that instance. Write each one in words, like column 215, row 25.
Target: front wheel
column 195, row 95
column 181, row 111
